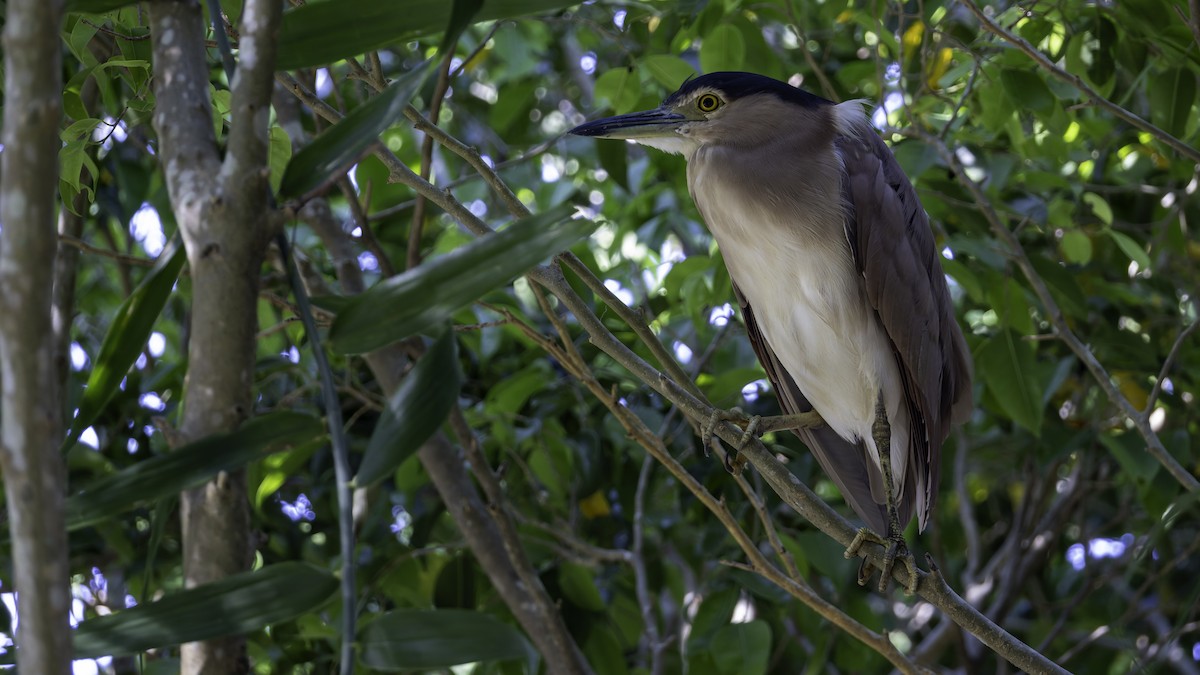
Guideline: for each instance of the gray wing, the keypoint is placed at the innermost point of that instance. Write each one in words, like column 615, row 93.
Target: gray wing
column 845, row 462
column 895, row 252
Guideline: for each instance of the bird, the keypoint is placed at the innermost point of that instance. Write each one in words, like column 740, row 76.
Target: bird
column 838, row 279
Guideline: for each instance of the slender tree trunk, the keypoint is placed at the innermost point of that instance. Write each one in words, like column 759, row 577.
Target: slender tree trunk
column 29, row 402
column 222, row 211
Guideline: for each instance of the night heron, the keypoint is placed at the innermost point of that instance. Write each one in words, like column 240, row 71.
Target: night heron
column 839, row 281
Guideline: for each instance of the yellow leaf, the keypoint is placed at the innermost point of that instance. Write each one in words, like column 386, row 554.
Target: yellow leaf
column 941, row 63
column 1128, row 383
column 912, row 38
column 845, row 17
column 594, row 505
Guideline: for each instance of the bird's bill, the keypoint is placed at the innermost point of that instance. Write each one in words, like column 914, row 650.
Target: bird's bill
column 633, row 126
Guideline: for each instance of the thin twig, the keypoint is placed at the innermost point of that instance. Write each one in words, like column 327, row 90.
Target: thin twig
column 1091, row 94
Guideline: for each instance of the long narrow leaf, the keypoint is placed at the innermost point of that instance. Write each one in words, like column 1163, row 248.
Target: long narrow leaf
column 238, row 604
column 414, row 639
column 460, row 17
column 417, row 408
column 342, row 144
column 319, row 33
column 189, row 466
column 126, row 337
column 429, row 294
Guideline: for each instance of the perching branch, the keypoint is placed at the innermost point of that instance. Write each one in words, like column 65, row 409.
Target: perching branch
column 797, row 495
column 34, row 476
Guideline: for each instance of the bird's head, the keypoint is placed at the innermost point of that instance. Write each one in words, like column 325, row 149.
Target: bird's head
column 719, row 108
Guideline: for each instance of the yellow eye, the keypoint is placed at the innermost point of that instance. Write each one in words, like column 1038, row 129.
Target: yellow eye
column 708, row 103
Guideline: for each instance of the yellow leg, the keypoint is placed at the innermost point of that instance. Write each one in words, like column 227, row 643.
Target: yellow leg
column 893, row 544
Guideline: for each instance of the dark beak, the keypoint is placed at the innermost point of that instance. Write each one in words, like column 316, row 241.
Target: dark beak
column 649, row 123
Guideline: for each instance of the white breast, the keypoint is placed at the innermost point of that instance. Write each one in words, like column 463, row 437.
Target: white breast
column 808, row 299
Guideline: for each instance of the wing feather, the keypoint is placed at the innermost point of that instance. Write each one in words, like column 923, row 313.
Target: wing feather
column 895, row 252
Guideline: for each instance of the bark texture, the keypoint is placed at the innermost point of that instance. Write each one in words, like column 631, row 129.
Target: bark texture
column 222, row 207
column 34, row 478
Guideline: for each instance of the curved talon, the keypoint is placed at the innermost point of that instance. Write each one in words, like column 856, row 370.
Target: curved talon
column 894, row 547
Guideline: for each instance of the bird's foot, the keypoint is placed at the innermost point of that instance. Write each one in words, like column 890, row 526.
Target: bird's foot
column 894, row 547
column 734, row 461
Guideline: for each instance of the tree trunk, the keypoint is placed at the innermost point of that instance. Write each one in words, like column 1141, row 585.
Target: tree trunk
column 29, row 402
column 222, row 208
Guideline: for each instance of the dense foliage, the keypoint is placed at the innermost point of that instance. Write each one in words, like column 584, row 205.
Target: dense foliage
column 1053, row 145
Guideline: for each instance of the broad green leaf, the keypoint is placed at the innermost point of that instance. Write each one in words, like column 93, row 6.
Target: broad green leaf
column 1172, row 96
column 669, row 71
column 189, row 466
column 1027, row 90
column 410, row 639
column 579, row 586
column 1007, row 365
column 430, row 293
column 127, row 336
column 460, row 17
column 241, row 603
column 335, row 150
column 280, row 155
column 96, row 6
column 1076, row 247
column 319, row 33
column 722, row 49
column 619, row 89
column 742, row 648
column 1130, row 248
column 1130, row 452
column 416, row 410
column 1099, row 206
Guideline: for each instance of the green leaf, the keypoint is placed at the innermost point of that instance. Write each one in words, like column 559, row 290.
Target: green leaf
column 742, row 648
column 1076, row 247
column 619, row 89
column 669, row 71
column 579, row 586
column 723, row 49
column 416, row 410
column 421, row 639
column 1130, row 248
column 335, row 150
column 1099, row 206
column 460, row 17
column 1172, row 95
column 1007, row 365
column 280, row 154
column 241, row 603
column 127, row 336
column 1027, row 90
column 430, row 293
column 191, row 465
column 319, row 33
column 96, row 6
